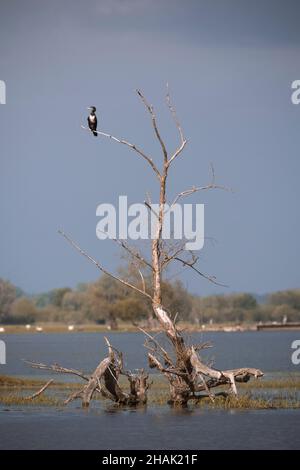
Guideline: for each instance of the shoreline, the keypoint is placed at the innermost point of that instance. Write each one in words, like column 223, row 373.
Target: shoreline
column 41, row 328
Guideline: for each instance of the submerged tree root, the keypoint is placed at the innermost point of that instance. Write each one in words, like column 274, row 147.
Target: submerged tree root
column 189, row 378
column 187, row 375
column 105, row 381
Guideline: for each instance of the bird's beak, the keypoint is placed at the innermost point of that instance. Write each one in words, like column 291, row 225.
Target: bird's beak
column 89, row 109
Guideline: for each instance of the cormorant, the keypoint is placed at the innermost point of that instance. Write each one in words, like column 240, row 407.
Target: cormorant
column 92, row 120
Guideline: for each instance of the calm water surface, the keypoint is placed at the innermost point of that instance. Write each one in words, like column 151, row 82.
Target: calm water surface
column 154, row 428
column 268, row 350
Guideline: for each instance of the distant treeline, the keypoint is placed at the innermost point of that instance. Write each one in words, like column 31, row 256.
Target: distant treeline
column 106, row 301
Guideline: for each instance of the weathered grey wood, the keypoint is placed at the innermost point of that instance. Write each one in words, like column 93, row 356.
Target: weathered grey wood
column 104, row 380
column 89, row 389
column 36, row 394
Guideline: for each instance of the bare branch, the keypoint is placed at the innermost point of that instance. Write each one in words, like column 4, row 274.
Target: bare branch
column 168, row 257
column 153, row 117
column 173, row 112
column 148, row 197
column 36, row 394
column 167, row 371
column 176, row 120
column 56, row 368
column 74, row 396
column 110, row 349
column 143, row 280
column 206, row 276
column 177, row 152
column 132, row 146
column 134, row 253
column 164, row 352
column 195, row 189
column 151, row 209
column 99, row 266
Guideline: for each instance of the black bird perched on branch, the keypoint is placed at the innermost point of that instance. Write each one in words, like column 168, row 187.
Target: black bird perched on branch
column 92, row 120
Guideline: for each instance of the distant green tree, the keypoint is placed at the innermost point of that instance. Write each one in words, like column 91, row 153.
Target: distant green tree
column 82, row 286
column 43, row 299
column 22, row 311
column 243, row 301
column 73, row 300
column 223, row 308
column 57, row 295
column 7, row 297
column 129, row 308
column 287, row 297
column 177, row 299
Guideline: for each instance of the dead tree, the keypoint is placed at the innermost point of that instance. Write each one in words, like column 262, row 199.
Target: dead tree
column 104, row 381
column 187, row 375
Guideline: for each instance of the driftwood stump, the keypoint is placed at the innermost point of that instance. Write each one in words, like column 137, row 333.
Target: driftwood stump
column 105, row 381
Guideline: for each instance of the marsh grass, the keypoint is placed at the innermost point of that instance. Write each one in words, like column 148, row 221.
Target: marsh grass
column 284, row 393
column 252, row 402
column 23, row 384
column 289, row 382
column 11, row 399
column 7, row 381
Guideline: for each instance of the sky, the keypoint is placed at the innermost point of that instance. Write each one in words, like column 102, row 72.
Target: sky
column 229, row 65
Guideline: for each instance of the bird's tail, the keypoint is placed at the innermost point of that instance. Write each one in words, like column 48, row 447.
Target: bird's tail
column 95, row 134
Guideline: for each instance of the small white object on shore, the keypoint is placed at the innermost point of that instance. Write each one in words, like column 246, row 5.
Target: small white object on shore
column 2, row 330
column 71, row 327
column 39, row 328
column 27, row 327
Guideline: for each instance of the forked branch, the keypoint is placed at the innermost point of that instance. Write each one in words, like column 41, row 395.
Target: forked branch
column 206, row 276
column 154, row 123
column 194, row 189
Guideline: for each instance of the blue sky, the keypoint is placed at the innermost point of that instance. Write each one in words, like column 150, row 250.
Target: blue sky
column 230, row 65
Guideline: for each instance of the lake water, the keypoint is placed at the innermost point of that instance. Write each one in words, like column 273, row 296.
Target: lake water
column 267, row 350
column 155, row 427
